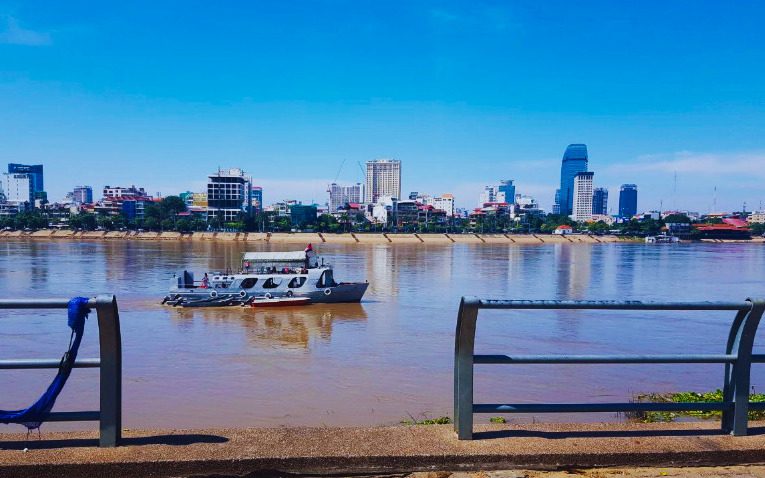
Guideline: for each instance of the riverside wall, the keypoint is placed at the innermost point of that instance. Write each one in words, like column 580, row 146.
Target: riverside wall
column 331, row 238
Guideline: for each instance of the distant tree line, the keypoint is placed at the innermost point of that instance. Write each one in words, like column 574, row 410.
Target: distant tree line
column 164, row 216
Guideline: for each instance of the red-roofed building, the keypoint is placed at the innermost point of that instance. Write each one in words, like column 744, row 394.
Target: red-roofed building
column 725, row 230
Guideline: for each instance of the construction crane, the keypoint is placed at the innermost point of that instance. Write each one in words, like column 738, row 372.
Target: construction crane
column 339, row 170
column 363, row 172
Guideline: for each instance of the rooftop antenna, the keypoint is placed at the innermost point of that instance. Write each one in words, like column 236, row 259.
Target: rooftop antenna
column 674, row 192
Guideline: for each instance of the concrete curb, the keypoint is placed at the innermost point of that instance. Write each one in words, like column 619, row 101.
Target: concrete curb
column 238, row 452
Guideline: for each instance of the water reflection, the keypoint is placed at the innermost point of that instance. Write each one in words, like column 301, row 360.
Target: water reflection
column 369, row 363
column 288, row 326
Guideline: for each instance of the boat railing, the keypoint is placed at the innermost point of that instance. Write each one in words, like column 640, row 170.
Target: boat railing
column 109, row 414
column 738, row 358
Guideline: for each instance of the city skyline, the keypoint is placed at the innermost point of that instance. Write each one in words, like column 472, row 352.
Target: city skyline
column 666, row 97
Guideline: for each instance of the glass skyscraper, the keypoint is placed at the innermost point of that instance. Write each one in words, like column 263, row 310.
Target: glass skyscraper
column 628, row 200
column 35, row 173
column 507, row 188
column 600, row 201
column 574, row 161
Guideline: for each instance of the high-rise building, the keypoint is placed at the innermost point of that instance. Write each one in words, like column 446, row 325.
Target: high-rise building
column 339, row 196
column 257, row 198
column 82, row 195
column 506, row 191
column 574, row 161
column 628, row 200
column 383, row 179
column 600, row 201
column 18, row 188
column 488, row 195
column 35, row 172
column 582, row 200
column 228, row 195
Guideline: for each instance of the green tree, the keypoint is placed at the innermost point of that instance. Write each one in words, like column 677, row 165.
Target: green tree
column 677, row 219
column 151, row 223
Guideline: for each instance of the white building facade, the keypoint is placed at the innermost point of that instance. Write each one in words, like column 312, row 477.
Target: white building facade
column 18, row 188
column 445, row 203
column 383, row 179
column 582, row 207
column 757, row 217
column 339, row 196
column 488, row 195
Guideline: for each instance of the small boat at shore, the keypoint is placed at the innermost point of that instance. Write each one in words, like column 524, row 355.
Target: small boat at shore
column 662, row 239
column 279, row 302
column 265, row 275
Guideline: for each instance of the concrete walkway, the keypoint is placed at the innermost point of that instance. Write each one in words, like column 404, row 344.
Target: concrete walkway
column 400, row 449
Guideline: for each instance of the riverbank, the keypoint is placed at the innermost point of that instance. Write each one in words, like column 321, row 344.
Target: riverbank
column 377, row 450
column 345, row 238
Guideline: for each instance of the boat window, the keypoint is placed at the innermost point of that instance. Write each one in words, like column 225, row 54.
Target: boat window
column 326, row 280
column 297, row 282
column 272, row 283
column 249, row 282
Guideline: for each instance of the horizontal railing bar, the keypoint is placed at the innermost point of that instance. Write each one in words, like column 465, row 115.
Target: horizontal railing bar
column 90, row 416
column 756, row 405
column 46, row 363
column 601, row 359
column 39, row 303
column 609, row 305
column 601, row 407
column 758, row 358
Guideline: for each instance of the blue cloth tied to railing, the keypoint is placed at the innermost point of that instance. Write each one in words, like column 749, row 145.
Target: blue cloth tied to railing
column 33, row 416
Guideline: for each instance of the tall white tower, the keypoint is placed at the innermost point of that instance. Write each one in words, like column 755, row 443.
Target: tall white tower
column 582, row 210
column 383, row 179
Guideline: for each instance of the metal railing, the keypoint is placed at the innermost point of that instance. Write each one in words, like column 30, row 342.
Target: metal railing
column 737, row 358
column 109, row 414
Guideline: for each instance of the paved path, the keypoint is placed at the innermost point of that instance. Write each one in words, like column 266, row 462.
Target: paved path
column 400, row 449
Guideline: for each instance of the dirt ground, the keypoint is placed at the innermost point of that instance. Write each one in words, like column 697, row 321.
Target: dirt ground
column 749, row 471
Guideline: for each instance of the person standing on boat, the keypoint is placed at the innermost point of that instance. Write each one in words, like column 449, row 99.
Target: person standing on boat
column 308, row 253
column 205, row 281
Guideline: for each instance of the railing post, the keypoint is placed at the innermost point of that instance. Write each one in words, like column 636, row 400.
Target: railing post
column 110, row 345
column 726, row 423
column 740, row 379
column 464, row 345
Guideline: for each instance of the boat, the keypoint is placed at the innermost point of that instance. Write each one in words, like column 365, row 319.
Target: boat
column 279, row 302
column 662, row 239
column 265, row 275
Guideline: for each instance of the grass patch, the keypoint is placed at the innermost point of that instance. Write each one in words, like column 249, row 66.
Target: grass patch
column 687, row 397
column 427, row 421
column 498, row 420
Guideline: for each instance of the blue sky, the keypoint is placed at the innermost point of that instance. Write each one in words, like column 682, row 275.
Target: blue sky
column 159, row 94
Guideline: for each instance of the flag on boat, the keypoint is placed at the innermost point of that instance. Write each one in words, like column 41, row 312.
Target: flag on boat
column 309, row 248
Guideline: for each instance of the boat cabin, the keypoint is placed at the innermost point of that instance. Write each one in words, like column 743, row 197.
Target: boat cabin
column 278, row 262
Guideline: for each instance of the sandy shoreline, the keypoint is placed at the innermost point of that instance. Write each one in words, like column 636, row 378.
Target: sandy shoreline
column 344, row 238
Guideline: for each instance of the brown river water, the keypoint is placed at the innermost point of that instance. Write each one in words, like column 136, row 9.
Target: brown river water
column 383, row 360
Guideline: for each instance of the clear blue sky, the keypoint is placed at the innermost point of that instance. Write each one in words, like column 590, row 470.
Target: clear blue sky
column 159, row 94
